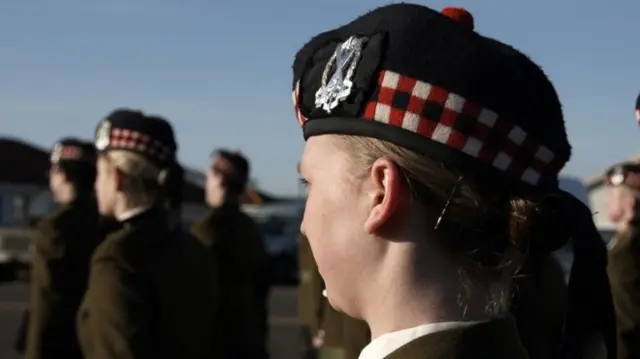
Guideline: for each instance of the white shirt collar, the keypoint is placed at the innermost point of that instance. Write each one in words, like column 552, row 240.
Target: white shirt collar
column 131, row 213
column 386, row 344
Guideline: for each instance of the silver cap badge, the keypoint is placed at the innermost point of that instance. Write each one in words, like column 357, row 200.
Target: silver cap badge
column 617, row 178
column 338, row 88
column 55, row 153
column 102, row 135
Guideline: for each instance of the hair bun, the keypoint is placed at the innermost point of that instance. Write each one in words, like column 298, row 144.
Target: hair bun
column 558, row 216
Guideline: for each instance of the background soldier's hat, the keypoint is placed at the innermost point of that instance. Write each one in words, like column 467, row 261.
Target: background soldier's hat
column 638, row 102
column 233, row 164
column 73, row 150
column 428, row 82
column 627, row 174
column 149, row 136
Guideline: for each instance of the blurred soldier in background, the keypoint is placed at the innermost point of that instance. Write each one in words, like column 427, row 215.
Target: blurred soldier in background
column 624, row 255
column 237, row 245
column 153, row 288
column 64, row 242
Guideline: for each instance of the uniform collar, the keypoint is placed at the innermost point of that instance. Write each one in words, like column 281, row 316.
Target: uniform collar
column 496, row 338
column 385, row 344
column 133, row 212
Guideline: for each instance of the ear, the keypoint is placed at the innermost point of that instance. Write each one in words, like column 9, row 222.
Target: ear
column 119, row 178
column 385, row 193
column 638, row 116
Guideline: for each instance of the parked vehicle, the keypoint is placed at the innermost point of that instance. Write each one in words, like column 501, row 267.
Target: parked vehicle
column 280, row 225
column 15, row 253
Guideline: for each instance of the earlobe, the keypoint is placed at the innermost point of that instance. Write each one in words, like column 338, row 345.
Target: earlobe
column 386, row 193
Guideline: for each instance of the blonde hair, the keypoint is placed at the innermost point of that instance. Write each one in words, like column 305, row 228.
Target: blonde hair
column 142, row 179
column 488, row 231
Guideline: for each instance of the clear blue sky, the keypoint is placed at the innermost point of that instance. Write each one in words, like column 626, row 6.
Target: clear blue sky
column 220, row 70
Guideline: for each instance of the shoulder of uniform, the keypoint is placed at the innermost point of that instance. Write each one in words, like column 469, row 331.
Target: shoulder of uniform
column 56, row 220
column 202, row 226
column 115, row 246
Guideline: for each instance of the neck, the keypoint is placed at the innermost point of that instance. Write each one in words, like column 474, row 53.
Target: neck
column 420, row 294
column 66, row 195
column 226, row 199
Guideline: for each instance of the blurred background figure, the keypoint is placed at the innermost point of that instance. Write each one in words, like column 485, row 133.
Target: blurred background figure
column 64, row 242
column 624, row 255
column 236, row 243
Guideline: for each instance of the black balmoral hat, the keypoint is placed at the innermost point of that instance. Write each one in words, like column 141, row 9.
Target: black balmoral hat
column 70, row 149
column 627, row 174
column 231, row 163
column 149, row 136
column 428, row 82
column 422, row 80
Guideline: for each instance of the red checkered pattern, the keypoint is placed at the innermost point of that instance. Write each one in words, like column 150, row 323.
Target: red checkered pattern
column 66, row 152
column 137, row 141
column 450, row 119
column 69, row 153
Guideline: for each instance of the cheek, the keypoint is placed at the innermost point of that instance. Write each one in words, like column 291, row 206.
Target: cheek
column 213, row 182
column 331, row 224
column 103, row 186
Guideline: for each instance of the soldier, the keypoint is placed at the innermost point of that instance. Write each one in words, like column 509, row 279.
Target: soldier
column 432, row 159
column 236, row 243
column 327, row 333
column 152, row 291
column 624, row 256
column 63, row 243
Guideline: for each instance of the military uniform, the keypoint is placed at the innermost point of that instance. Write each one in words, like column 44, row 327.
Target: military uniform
column 624, row 269
column 153, row 289
column 63, row 243
column 429, row 83
column 539, row 305
column 106, row 226
column 236, row 244
column 494, row 339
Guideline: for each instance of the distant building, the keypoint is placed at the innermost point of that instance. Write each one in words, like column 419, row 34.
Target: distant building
column 23, row 176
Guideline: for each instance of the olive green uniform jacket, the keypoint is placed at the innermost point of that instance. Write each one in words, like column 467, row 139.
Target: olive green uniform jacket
column 153, row 293
column 236, row 243
column 63, row 243
column 496, row 339
column 539, row 306
column 624, row 275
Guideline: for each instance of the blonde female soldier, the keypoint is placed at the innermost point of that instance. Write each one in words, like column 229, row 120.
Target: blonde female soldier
column 152, row 290
column 432, row 161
